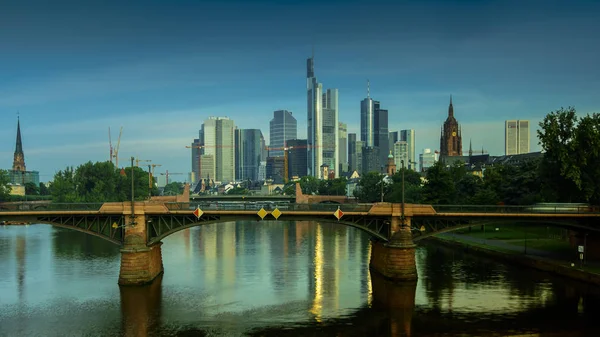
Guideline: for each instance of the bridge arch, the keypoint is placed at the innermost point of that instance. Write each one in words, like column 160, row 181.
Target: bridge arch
column 99, row 226
column 429, row 232
column 156, row 233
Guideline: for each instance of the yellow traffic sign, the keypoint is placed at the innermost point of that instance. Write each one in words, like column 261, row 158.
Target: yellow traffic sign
column 338, row 213
column 198, row 212
column 276, row 213
column 262, row 213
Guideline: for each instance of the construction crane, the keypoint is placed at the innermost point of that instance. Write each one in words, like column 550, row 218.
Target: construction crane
column 286, row 150
column 155, row 166
column 114, row 152
column 137, row 161
column 151, row 168
column 170, row 174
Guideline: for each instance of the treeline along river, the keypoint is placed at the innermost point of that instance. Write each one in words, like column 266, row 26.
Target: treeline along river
column 275, row 279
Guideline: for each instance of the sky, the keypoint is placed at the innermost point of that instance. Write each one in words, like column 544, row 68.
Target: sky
column 72, row 69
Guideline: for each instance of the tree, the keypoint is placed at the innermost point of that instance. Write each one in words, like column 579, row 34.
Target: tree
column 44, row 189
column 173, row 188
column 309, row 185
column 63, row 186
column 31, row 189
column 100, row 182
column 238, row 191
column 571, row 161
column 4, row 188
column 439, row 186
column 369, row 187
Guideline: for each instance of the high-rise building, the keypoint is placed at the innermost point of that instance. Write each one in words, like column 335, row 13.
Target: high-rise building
column 381, row 132
column 297, row 158
column 401, row 154
column 370, row 160
column 283, row 127
column 275, row 169
column 352, row 152
column 219, row 141
column 367, row 121
column 343, row 147
column 314, row 92
column 331, row 130
column 516, row 137
column 451, row 138
column 196, row 147
column 427, row 159
column 409, row 137
column 249, row 145
column 394, row 136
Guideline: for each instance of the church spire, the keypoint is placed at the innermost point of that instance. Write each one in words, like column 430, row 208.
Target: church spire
column 470, row 148
column 450, row 108
column 19, row 158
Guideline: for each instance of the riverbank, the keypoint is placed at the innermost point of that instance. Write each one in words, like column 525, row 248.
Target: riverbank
column 546, row 252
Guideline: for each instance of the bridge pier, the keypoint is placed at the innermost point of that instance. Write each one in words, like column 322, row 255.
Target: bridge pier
column 395, row 260
column 140, row 263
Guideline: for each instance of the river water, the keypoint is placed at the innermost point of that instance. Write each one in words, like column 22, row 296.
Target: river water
column 275, row 279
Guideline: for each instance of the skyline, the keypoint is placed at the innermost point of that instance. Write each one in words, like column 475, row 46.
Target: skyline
column 146, row 67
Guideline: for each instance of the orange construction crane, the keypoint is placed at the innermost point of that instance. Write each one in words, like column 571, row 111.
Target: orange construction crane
column 137, row 161
column 286, row 150
column 170, row 174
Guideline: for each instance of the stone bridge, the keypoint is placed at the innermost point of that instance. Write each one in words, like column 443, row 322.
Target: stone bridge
column 139, row 227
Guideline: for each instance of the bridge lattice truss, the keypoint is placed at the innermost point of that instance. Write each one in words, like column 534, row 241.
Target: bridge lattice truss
column 160, row 226
column 99, row 225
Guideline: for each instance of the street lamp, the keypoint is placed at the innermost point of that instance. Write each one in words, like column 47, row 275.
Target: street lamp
column 402, row 168
column 382, row 181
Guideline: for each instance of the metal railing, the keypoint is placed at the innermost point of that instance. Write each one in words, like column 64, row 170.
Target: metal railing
column 256, row 206
column 28, row 207
column 540, row 208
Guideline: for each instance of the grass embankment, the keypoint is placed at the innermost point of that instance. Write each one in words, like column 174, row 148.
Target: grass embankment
column 523, row 238
column 546, row 238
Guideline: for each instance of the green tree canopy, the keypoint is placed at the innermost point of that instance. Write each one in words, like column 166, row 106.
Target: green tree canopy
column 4, row 188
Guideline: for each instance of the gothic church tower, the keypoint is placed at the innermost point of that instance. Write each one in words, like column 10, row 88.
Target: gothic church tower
column 451, row 139
column 19, row 159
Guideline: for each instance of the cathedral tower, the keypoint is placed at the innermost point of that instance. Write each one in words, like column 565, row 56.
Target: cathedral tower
column 451, row 139
column 19, row 158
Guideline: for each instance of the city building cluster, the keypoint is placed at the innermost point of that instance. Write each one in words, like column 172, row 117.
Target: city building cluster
column 225, row 154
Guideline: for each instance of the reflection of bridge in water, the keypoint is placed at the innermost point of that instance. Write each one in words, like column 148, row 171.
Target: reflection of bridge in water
column 139, row 227
column 392, row 313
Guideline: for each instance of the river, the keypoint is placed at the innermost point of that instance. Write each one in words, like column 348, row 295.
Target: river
column 275, row 279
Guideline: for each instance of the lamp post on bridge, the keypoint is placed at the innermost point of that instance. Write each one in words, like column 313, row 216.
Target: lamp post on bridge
column 402, row 215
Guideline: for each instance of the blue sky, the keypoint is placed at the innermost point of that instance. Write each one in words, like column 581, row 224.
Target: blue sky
column 159, row 68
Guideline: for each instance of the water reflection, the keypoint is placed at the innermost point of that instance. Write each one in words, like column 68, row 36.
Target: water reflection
column 275, row 279
column 141, row 309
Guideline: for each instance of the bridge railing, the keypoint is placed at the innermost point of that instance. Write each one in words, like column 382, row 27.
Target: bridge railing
column 28, row 207
column 550, row 209
column 250, row 206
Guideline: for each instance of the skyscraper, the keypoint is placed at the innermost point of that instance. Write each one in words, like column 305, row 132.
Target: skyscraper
column 394, row 136
column 330, row 131
column 367, row 120
column 314, row 92
column 283, row 127
column 381, row 136
column 343, row 147
column 297, row 158
column 516, row 137
column 219, row 142
column 408, row 136
column 248, row 153
column 352, row 160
